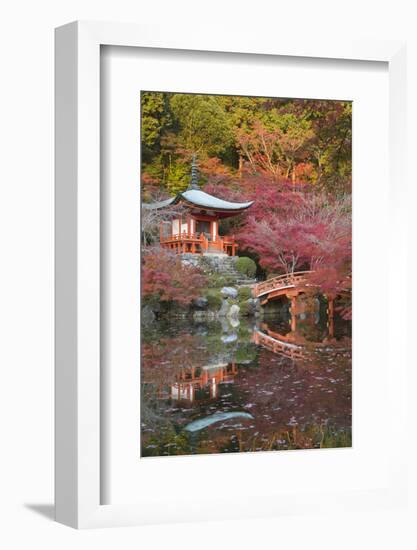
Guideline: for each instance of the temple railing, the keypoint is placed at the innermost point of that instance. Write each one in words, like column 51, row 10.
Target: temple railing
column 198, row 243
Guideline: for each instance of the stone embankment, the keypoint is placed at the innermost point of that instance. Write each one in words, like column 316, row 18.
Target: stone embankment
column 228, row 294
column 221, row 264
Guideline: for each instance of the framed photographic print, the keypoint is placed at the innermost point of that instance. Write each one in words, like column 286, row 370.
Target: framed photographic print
column 246, row 274
column 222, row 349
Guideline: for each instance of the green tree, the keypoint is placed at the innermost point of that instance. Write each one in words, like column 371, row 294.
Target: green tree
column 241, row 112
column 202, row 125
column 155, row 120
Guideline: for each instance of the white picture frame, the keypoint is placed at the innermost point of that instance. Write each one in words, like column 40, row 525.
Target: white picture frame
column 78, row 320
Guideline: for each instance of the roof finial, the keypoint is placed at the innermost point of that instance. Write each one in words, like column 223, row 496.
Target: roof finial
column 194, row 175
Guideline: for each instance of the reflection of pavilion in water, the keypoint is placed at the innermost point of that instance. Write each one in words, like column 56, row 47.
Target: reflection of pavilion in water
column 198, row 384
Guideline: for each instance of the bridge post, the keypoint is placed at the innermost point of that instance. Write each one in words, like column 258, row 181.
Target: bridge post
column 293, row 306
column 330, row 316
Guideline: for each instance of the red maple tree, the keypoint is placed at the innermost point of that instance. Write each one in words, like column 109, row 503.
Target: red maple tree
column 167, row 278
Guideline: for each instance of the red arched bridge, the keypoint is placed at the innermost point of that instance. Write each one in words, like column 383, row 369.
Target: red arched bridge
column 283, row 285
column 296, row 347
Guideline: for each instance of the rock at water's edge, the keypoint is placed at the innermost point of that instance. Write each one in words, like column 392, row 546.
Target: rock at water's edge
column 147, row 316
column 224, row 309
column 229, row 292
column 228, row 338
column 233, row 312
column 200, row 302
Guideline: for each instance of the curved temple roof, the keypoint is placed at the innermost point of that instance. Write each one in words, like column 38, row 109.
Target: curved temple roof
column 156, row 205
column 195, row 197
column 200, row 198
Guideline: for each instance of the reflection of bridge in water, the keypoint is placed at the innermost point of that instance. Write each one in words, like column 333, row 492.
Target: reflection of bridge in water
column 290, row 286
column 295, row 347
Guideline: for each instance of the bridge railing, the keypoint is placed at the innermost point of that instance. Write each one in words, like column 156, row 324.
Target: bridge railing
column 288, row 280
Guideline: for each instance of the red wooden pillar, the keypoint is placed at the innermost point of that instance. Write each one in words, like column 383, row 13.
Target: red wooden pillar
column 293, row 305
column 330, row 316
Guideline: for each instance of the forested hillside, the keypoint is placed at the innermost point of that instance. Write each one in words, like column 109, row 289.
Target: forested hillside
column 299, row 141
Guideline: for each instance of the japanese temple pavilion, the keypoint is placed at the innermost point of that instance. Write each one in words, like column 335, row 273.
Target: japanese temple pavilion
column 196, row 229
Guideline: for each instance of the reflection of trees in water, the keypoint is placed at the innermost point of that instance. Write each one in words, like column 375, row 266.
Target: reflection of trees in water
column 164, row 358
column 296, row 403
column 312, row 436
column 183, row 357
column 186, row 366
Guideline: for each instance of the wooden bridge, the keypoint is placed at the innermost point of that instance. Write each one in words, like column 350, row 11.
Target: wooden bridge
column 291, row 285
column 280, row 346
column 288, row 285
column 295, row 347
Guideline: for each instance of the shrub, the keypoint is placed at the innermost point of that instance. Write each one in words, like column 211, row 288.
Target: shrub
column 230, row 280
column 244, row 293
column 246, row 266
column 217, row 281
column 214, row 299
column 244, row 308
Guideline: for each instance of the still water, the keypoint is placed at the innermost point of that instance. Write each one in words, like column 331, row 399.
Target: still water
column 274, row 384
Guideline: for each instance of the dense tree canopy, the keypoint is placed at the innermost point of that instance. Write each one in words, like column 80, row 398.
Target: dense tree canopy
column 292, row 156
column 303, row 141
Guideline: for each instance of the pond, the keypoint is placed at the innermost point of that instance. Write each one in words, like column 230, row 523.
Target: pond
column 274, row 384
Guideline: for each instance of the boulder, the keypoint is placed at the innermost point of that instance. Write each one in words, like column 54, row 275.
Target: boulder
column 253, row 306
column 225, row 324
column 200, row 302
column 228, row 338
column 229, row 292
column 233, row 312
column 201, row 330
column 223, row 311
column 147, row 316
column 234, row 323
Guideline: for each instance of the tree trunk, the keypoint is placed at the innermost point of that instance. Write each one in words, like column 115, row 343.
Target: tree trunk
column 240, row 170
